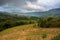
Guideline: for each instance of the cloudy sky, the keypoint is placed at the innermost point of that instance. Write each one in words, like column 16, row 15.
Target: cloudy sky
column 28, row 5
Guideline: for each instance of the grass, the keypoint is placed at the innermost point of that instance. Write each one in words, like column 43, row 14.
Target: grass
column 28, row 32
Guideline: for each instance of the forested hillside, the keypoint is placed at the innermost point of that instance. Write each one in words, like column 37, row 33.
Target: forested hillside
column 10, row 20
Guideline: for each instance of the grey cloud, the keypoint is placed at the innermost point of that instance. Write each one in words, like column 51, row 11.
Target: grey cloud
column 2, row 2
column 32, row 0
column 19, row 4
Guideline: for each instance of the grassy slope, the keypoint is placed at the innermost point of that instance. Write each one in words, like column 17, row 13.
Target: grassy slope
column 28, row 32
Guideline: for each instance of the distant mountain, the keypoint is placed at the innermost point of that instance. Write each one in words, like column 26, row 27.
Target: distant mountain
column 55, row 12
column 52, row 12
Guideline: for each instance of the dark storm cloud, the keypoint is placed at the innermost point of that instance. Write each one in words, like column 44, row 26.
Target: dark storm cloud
column 23, row 2
column 2, row 2
column 32, row 0
column 5, row 1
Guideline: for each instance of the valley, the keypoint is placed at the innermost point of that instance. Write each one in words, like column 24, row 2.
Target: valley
column 30, row 26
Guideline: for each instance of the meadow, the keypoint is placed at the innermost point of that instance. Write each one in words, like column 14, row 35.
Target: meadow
column 29, row 32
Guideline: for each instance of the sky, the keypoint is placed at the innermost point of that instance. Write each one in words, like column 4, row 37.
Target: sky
column 28, row 5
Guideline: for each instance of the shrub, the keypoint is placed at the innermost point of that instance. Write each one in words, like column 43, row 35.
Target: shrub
column 56, row 37
column 44, row 35
column 49, row 22
column 41, row 22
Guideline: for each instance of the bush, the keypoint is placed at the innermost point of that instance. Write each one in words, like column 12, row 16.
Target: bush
column 49, row 22
column 41, row 22
column 56, row 37
column 44, row 35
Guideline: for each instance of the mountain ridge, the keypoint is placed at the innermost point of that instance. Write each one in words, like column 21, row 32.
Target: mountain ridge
column 52, row 12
